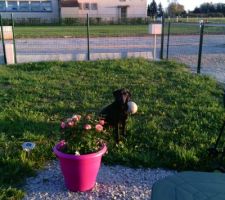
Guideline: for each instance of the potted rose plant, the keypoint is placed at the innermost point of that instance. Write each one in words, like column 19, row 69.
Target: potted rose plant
column 80, row 150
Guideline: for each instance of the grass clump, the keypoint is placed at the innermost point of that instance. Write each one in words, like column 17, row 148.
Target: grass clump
column 179, row 113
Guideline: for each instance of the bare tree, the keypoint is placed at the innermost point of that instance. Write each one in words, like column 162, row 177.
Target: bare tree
column 175, row 9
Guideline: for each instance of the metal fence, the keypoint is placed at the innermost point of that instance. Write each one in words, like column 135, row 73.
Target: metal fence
column 200, row 46
column 182, row 43
column 85, row 38
column 213, row 51
column 89, row 38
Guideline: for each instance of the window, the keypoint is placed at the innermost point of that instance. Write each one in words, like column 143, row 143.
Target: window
column 80, row 6
column 46, row 5
column 12, row 6
column 94, row 6
column 24, row 6
column 86, row 6
column 2, row 6
column 123, row 12
column 35, row 6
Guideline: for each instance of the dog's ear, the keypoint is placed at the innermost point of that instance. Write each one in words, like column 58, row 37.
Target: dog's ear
column 116, row 93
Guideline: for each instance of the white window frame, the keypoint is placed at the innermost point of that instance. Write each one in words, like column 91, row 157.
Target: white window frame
column 24, row 10
column 94, row 6
column 86, row 6
column 43, row 8
column 13, row 8
column 32, row 8
column 3, row 8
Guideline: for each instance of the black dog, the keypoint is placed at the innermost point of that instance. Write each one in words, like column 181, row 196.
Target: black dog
column 116, row 113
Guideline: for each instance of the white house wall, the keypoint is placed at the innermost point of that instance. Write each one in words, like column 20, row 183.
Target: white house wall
column 110, row 8
column 68, row 12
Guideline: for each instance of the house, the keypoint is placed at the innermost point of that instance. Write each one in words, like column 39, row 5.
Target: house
column 53, row 10
column 42, row 10
column 104, row 8
column 69, row 8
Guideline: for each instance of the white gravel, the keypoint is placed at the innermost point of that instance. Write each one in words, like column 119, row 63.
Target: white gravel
column 113, row 182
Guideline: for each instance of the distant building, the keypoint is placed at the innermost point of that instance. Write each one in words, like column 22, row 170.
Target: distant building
column 49, row 10
column 45, row 10
column 104, row 8
column 69, row 8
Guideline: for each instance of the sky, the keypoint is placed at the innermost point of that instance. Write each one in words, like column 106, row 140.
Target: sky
column 188, row 4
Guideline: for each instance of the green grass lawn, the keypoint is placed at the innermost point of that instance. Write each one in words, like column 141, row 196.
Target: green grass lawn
column 179, row 114
column 80, row 31
column 105, row 31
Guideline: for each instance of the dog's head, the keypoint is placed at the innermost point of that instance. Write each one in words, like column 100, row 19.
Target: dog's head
column 122, row 96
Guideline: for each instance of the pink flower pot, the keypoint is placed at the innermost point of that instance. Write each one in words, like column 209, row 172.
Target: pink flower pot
column 79, row 172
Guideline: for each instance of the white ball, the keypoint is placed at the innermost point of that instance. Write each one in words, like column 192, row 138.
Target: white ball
column 132, row 107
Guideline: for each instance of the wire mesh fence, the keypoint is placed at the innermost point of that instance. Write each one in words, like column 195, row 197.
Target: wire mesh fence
column 213, row 51
column 108, row 37
column 183, row 44
column 85, row 38
column 50, row 42
column 120, row 41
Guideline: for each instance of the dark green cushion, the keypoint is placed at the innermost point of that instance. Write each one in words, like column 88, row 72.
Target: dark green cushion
column 190, row 186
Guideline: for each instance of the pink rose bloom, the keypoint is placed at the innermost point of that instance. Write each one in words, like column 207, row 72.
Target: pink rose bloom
column 76, row 118
column 63, row 125
column 99, row 128
column 101, row 122
column 87, row 126
column 71, row 123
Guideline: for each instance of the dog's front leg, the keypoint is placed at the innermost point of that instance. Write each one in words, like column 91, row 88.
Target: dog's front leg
column 116, row 132
column 124, row 128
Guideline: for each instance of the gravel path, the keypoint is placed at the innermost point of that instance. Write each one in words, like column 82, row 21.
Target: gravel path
column 113, row 182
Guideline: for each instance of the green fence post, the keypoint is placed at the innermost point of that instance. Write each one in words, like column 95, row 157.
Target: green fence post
column 200, row 47
column 168, row 40
column 88, row 39
column 3, row 40
column 14, row 41
column 162, row 37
